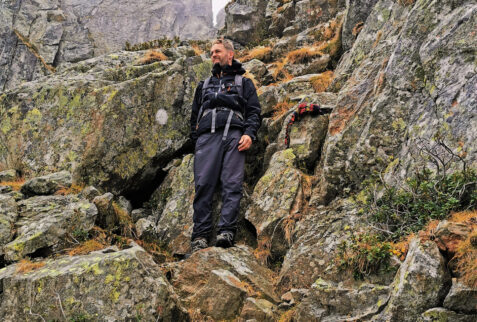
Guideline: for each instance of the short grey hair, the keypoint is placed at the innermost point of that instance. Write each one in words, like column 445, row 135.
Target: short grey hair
column 227, row 43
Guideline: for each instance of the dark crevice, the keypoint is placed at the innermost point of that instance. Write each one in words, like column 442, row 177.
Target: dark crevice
column 3, row 262
column 41, row 252
column 142, row 189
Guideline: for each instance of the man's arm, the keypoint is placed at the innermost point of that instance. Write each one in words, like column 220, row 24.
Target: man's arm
column 195, row 112
column 253, row 118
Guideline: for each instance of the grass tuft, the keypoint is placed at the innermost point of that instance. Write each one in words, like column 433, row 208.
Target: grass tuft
column 152, row 56
column 26, row 266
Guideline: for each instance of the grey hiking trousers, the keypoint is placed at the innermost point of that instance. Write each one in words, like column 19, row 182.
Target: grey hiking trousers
column 217, row 159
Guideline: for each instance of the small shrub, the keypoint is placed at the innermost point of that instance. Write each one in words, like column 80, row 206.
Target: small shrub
column 364, row 254
column 425, row 196
column 26, row 266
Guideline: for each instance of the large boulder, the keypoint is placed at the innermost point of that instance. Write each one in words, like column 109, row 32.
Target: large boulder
column 45, row 222
column 277, row 197
column 47, row 185
column 245, row 21
column 461, row 298
column 316, row 237
column 421, row 283
column 108, row 121
column 440, row 314
column 216, row 281
column 409, row 77
column 328, row 301
column 8, row 175
column 105, row 285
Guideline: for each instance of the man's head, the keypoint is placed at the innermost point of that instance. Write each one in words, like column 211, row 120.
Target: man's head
column 222, row 52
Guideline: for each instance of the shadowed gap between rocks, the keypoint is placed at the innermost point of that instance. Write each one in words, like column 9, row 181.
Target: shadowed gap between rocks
column 142, row 190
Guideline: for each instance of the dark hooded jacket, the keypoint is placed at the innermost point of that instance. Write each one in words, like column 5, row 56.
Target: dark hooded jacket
column 227, row 96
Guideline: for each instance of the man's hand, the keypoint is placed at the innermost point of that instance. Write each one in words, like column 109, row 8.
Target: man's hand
column 245, row 143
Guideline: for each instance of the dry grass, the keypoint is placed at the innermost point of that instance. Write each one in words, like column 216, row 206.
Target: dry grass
column 406, row 2
column 262, row 253
column 73, row 190
column 34, row 51
column 252, row 78
column 86, row 247
column 466, row 250
column 303, row 55
column 152, row 56
column 15, row 185
column 261, row 53
column 378, row 38
column 26, row 266
column 197, row 50
column 288, row 316
column 281, row 108
column 125, row 221
column 321, row 82
column 357, row 28
column 280, row 73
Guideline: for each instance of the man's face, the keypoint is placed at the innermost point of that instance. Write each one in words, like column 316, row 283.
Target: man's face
column 221, row 55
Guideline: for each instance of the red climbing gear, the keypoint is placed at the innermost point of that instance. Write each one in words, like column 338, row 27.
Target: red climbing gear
column 313, row 109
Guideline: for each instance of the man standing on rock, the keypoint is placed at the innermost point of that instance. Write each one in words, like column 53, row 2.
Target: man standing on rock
column 224, row 123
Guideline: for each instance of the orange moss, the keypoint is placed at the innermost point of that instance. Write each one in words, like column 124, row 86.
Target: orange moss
column 26, row 266
column 152, row 56
column 86, row 247
column 321, row 82
column 15, row 185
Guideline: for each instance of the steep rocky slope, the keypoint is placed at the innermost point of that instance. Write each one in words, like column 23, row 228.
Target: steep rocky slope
column 400, row 80
column 38, row 36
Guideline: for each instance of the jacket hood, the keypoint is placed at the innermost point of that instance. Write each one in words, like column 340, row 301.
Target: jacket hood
column 235, row 68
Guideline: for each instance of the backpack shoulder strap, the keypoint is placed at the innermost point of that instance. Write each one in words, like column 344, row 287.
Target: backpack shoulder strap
column 204, row 87
column 239, row 83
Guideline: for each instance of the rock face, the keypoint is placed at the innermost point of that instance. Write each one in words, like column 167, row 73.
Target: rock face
column 37, row 36
column 398, row 76
column 46, row 221
column 106, row 285
column 87, row 120
column 394, row 97
column 245, row 20
column 330, row 302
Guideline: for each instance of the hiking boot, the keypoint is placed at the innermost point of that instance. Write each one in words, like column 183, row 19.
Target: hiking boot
column 225, row 239
column 198, row 244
